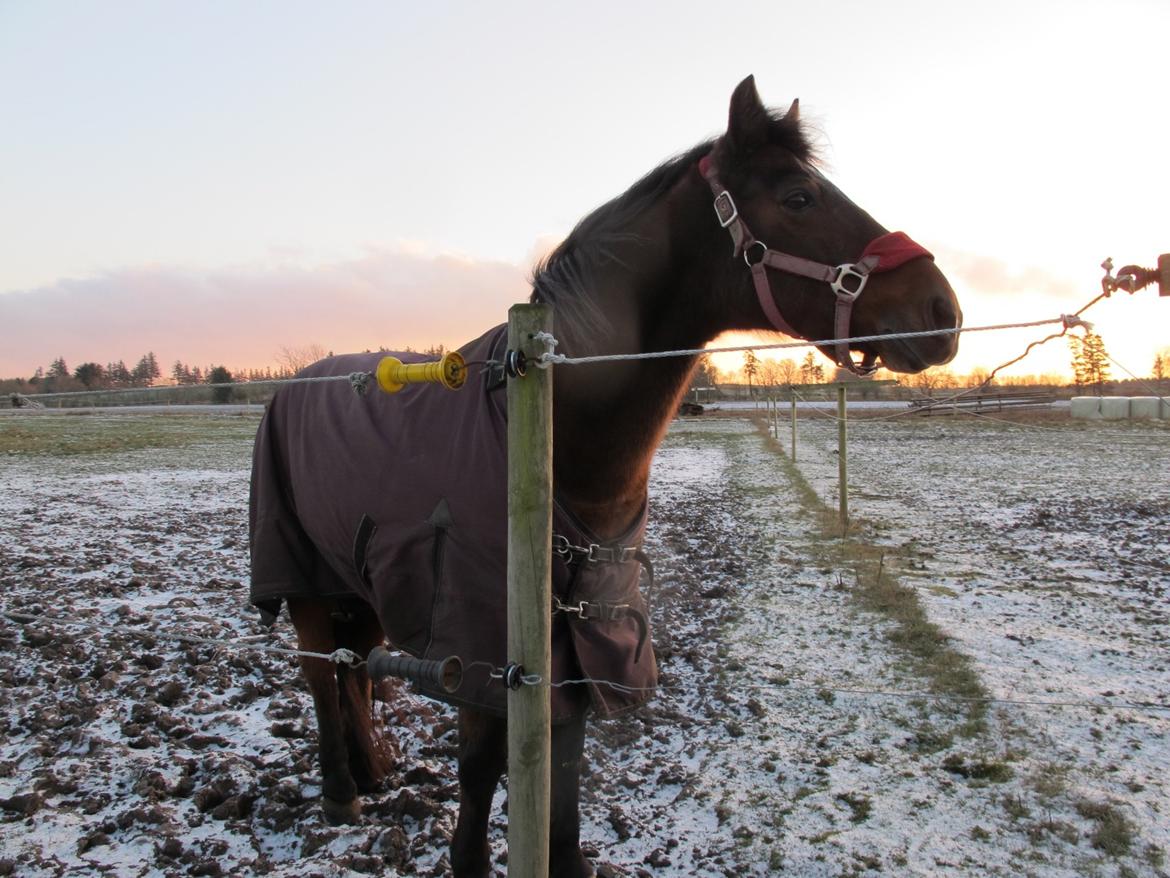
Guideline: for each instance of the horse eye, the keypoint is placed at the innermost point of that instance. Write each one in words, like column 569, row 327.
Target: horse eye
column 798, row 200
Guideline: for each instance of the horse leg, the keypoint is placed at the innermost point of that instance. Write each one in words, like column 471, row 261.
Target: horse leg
column 565, row 857
column 483, row 753
column 371, row 757
column 314, row 625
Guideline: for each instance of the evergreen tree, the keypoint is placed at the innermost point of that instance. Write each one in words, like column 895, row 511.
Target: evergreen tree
column 181, row 372
column 91, row 375
column 146, row 371
column 58, row 369
column 811, row 370
column 1090, row 362
column 118, row 375
column 220, row 375
column 751, row 367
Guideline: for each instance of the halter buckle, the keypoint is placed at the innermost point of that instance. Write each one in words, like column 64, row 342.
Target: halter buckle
column 725, row 209
column 839, row 284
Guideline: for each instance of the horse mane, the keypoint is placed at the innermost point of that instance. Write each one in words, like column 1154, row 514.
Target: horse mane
column 565, row 278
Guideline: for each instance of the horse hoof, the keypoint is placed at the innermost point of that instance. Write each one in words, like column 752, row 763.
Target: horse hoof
column 341, row 813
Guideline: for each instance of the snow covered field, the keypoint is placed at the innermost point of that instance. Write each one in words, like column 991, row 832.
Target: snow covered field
column 768, row 750
column 1043, row 548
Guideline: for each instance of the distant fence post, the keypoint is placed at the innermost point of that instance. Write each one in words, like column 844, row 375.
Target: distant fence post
column 842, row 460
column 529, row 596
column 793, row 395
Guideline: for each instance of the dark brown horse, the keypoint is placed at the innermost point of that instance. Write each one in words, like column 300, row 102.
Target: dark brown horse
column 655, row 269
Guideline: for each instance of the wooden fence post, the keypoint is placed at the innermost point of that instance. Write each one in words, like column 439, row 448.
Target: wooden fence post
column 793, row 395
column 529, row 600
column 842, row 461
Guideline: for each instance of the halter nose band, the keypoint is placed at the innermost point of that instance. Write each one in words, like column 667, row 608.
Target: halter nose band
column 847, row 281
column 893, row 250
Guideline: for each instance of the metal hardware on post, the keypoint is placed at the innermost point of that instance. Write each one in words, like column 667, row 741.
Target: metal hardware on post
column 513, row 676
column 529, row 642
column 515, row 364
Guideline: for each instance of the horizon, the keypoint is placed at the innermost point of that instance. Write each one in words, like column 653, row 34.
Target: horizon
column 369, row 176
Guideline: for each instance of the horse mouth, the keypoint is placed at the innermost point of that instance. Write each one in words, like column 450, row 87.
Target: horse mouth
column 904, row 355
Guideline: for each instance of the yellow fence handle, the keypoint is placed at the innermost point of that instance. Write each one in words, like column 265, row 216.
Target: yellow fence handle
column 393, row 374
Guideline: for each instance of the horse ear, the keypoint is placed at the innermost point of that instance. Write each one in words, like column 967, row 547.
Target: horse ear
column 793, row 113
column 747, row 123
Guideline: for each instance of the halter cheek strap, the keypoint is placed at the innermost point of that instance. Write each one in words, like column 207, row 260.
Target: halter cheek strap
column 847, row 281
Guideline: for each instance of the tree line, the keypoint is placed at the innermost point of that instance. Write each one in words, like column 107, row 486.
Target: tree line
column 1090, row 364
column 88, row 376
column 58, row 378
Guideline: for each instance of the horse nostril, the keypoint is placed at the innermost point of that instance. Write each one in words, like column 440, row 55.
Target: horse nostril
column 942, row 313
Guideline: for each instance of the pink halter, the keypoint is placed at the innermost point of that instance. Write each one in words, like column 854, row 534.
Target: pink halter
column 884, row 253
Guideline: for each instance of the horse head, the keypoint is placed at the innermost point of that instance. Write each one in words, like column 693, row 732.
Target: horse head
column 811, row 263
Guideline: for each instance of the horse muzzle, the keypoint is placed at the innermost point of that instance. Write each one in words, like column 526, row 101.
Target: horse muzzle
column 939, row 311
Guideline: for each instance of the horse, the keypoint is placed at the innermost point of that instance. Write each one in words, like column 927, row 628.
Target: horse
column 372, row 522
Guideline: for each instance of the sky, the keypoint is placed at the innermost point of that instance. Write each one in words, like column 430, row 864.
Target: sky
column 216, row 181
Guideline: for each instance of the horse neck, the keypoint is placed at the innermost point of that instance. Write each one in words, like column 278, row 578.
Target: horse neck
column 610, row 417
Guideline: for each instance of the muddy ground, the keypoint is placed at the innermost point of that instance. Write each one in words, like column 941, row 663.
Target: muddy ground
column 124, row 751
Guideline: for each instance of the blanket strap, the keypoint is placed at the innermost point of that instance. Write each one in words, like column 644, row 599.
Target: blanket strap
column 605, row 611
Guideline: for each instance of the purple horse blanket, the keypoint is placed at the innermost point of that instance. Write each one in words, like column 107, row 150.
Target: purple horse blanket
column 401, row 501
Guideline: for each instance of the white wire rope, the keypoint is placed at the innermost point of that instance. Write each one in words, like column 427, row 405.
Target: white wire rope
column 550, row 358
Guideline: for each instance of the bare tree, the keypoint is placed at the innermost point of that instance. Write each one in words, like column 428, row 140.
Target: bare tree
column 788, row 370
column 933, row 378
column 770, row 373
column 295, row 359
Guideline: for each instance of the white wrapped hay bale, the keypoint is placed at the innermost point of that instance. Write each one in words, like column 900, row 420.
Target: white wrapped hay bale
column 1086, row 407
column 1115, row 408
column 1144, row 406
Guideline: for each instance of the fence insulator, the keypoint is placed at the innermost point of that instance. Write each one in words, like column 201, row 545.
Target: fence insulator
column 393, row 374
column 445, row 675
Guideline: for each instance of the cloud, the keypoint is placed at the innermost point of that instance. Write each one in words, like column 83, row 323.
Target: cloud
column 241, row 317
column 992, row 277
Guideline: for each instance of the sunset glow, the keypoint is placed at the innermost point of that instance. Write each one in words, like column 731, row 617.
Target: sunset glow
column 213, row 182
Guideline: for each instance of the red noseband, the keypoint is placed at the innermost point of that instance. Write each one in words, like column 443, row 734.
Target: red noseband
column 884, row 253
column 892, row 250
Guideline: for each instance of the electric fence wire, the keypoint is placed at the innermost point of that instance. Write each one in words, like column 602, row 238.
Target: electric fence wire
column 343, row 656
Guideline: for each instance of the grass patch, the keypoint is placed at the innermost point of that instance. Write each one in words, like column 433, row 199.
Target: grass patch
column 1112, row 831
column 947, row 671
column 1050, row 781
column 72, row 434
column 859, row 806
column 991, row 771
